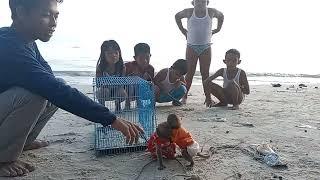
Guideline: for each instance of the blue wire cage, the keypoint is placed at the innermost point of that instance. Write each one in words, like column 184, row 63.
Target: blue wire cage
column 131, row 98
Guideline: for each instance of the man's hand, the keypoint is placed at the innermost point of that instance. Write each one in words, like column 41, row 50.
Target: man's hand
column 128, row 129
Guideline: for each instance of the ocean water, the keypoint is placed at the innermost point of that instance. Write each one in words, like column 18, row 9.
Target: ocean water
column 86, row 78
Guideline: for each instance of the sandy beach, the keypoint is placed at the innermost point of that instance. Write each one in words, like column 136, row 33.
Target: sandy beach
column 275, row 113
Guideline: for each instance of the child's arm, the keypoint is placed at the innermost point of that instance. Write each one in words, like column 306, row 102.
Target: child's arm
column 220, row 17
column 161, row 75
column 159, row 157
column 180, row 15
column 149, row 74
column 214, row 76
column 183, row 80
column 244, row 85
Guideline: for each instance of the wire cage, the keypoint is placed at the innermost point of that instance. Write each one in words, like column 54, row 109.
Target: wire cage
column 131, row 98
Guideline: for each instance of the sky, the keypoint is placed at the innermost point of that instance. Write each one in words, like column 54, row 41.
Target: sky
column 276, row 36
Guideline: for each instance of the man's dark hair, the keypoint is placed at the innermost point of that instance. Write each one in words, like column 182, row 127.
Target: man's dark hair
column 180, row 65
column 27, row 4
column 233, row 51
column 141, row 48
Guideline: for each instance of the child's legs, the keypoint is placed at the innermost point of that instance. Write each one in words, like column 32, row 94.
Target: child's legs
column 234, row 93
column 103, row 94
column 179, row 92
column 176, row 93
column 156, row 92
column 120, row 96
column 192, row 58
column 205, row 61
column 217, row 91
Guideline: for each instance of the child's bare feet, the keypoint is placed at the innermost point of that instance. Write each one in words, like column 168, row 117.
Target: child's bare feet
column 36, row 145
column 184, row 100
column 209, row 103
column 219, row 104
column 13, row 169
column 234, row 107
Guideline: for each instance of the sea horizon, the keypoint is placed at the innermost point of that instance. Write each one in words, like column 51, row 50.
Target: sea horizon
column 86, row 78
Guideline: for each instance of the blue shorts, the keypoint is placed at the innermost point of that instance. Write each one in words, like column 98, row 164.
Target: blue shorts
column 177, row 94
column 199, row 49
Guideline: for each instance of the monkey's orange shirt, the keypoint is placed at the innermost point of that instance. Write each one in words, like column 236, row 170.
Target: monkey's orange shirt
column 182, row 137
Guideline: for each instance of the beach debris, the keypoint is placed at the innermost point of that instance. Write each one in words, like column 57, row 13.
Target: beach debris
column 302, row 85
column 276, row 85
column 316, row 87
column 265, row 154
column 239, row 124
column 187, row 109
column 187, row 177
column 66, row 134
column 213, row 119
column 227, row 132
column 307, row 126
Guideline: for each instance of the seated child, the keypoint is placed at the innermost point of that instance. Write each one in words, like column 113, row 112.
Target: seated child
column 110, row 63
column 189, row 147
column 140, row 66
column 159, row 144
column 170, row 83
column 235, row 83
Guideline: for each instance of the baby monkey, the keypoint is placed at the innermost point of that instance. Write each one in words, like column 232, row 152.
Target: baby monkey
column 180, row 136
column 160, row 145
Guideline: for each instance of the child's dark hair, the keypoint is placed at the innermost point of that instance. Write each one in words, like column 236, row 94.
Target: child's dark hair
column 141, row 48
column 27, row 4
column 174, row 121
column 163, row 130
column 233, row 51
column 180, row 65
column 102, row 64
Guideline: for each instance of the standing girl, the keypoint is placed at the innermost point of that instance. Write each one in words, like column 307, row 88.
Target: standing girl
column 198, row 34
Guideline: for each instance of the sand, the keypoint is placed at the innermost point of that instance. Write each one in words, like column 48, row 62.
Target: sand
column 275, row 114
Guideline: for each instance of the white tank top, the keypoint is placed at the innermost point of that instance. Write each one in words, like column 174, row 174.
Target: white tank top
column 226, row 81
column 166, row 84
column 199, row 29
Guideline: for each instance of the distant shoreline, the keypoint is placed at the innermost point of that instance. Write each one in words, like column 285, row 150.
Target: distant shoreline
column 92, row 73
